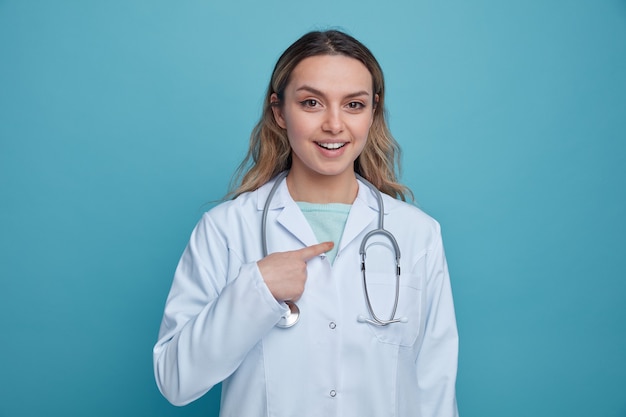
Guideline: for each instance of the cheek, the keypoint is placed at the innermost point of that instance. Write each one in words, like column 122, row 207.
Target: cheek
column 299, row 127
column 363, row 126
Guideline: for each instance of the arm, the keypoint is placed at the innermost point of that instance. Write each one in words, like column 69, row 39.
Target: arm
column 436, row 362
column 217, row 310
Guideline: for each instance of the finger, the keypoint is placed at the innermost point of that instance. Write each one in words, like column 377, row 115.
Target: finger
column 314, row 250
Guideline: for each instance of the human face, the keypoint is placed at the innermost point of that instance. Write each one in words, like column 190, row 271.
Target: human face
column 327, row 110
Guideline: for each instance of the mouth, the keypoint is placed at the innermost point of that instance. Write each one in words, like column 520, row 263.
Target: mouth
column 331, row 146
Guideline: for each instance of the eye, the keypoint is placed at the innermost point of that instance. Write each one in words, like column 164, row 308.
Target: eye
column 309, row 103
column 356, row 105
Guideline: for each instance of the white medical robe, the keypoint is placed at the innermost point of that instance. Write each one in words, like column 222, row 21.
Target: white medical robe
column 219, row 319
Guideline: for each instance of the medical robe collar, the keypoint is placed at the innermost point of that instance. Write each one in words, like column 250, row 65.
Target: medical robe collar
column 363, row 214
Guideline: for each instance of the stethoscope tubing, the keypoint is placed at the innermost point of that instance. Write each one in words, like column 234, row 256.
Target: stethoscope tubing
column 375, row 320
column 293, row 316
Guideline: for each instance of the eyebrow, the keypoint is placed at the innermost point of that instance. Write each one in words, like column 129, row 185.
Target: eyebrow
column 319, row 93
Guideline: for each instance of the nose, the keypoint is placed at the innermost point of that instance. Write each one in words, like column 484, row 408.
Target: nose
column 333, row 122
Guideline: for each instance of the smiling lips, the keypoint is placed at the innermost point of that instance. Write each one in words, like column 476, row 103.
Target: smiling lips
column 331, row 146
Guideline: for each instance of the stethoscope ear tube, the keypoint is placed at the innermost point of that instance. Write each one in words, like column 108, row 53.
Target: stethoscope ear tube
column 266, row 208
column 293, row 315
column 375, row 320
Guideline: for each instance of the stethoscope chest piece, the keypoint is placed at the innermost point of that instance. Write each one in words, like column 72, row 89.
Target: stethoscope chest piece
column 290, row 318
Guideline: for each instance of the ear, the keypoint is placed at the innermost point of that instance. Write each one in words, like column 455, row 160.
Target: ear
column 374, row 108
column 277, row 111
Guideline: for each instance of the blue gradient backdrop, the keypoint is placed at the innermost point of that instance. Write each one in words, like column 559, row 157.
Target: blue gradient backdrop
column 122, row 121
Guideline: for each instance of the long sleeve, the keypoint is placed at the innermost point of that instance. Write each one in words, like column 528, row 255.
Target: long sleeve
column 217, row 310
column 436, row 363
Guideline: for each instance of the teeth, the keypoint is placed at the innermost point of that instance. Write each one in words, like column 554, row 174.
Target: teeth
column 331, row 145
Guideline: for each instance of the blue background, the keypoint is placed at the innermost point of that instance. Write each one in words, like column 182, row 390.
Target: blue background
column 122, row 121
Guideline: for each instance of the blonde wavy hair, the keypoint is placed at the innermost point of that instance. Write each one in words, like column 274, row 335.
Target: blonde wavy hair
column 269, row 152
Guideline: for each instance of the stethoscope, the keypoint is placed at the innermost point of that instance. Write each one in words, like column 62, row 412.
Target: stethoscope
column 293, row 315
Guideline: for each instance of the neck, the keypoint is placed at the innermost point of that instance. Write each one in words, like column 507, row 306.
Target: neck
column 323, row 189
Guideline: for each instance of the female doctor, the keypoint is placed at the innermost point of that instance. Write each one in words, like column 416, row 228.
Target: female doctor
column 288, row 249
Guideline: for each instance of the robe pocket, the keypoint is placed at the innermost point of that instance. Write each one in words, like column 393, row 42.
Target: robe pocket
column 382, row 289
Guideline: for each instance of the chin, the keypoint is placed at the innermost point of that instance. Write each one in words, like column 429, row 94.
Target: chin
column 334, row 172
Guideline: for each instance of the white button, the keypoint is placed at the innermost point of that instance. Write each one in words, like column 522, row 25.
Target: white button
column 332, row 325
column 333, row 393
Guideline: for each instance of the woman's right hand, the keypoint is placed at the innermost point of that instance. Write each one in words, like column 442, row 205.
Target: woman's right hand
column 285, row 274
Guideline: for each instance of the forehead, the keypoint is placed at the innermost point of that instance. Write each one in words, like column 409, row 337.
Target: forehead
column 332, row 73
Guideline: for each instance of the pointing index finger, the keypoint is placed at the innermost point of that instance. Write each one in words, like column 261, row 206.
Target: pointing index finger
column 312, row 251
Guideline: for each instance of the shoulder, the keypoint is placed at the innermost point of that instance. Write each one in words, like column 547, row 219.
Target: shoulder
column 409, row 216
column 242, row 205
column 399, row 208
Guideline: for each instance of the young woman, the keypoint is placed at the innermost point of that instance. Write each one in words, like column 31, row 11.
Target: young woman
column 375, row 332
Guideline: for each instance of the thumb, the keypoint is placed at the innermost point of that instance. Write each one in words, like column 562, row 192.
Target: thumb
column 312, row 251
